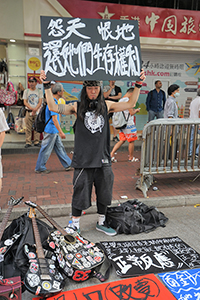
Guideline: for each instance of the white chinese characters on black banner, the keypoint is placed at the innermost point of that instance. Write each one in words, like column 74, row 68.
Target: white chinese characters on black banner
column 132, row 258
column 84, row 49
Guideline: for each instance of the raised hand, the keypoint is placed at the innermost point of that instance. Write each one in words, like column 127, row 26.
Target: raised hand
column 43, row 77
column 142, row 75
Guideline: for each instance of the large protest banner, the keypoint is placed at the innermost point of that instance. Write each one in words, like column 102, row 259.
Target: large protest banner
column 88, row 49
column 146, row 287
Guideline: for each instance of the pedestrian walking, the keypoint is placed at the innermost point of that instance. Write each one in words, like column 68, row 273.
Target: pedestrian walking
column 129, row 133
column 112, row 92
column 52, row 137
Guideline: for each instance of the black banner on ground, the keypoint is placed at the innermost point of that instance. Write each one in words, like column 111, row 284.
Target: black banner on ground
column 88, row 49
column 132, row 258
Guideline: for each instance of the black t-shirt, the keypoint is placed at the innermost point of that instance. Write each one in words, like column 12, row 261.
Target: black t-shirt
column 92, row 140
column 115, row 92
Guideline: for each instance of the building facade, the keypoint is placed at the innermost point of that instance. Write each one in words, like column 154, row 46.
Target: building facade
column 169, row 40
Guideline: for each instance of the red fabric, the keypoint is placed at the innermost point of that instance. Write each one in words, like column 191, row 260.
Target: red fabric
column 153, row 21
column 142, row 287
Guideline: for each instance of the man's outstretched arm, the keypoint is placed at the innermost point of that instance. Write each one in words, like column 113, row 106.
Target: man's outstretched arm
column 66, row 109
column 119, row 106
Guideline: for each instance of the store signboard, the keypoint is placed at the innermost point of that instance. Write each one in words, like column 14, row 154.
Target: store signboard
column 88, row 49
column 153, row 22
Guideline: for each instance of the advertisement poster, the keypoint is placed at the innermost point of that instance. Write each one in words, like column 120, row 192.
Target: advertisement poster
column 71, row 94
column 33, row 68
column 170, row 68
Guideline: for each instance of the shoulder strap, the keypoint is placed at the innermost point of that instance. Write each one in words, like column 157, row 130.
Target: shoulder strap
column 115, row 90
column 45, row 113
column 97, row 274
column 126, row 119
column 47, row 121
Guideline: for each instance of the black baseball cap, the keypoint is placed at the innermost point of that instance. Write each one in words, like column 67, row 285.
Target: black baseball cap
column 32, row 78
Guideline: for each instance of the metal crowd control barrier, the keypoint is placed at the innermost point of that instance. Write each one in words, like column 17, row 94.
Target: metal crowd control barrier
column 165, row 149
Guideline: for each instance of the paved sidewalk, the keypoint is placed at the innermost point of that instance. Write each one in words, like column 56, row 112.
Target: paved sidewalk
column 55, row 189
column 176, row 196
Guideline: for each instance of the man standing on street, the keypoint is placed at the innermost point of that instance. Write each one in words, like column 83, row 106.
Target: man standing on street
column 91, row 159
column 52, row 136
column 32, row 100
column 155, row 102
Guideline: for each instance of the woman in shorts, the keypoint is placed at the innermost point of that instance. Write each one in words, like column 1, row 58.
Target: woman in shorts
column 129, row 133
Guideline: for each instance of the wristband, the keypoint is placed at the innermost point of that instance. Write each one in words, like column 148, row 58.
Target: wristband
column 47, row 85
column 138, row 86
column 139, row 82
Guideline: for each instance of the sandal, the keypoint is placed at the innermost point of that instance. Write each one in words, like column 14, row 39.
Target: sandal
column 113, row 159
column 134, row 159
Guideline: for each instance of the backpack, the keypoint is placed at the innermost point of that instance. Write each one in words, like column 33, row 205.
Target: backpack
column 134, row 217
column 10, row 120
column 39, row 124
column 119, row 120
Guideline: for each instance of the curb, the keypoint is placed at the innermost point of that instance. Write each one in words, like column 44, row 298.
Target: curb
column 18, row 148
column 64, row 210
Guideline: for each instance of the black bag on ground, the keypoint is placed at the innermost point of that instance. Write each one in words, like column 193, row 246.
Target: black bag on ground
column 39, row 124
column 134, row 217
column 16, row 256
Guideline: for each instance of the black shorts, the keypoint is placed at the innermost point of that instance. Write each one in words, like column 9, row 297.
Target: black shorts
column 83, row 181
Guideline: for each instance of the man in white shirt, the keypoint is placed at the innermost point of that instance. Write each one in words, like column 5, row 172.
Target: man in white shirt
column 194, row 114
column 33, row 101
column 113, row 93
column 3, row 128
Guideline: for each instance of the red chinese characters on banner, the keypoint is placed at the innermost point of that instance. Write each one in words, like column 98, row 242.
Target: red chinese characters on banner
column 147, row 287
column 153, row 22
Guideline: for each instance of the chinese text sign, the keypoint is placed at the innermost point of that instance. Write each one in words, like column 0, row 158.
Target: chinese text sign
column 183, row 284
column 88, row 49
